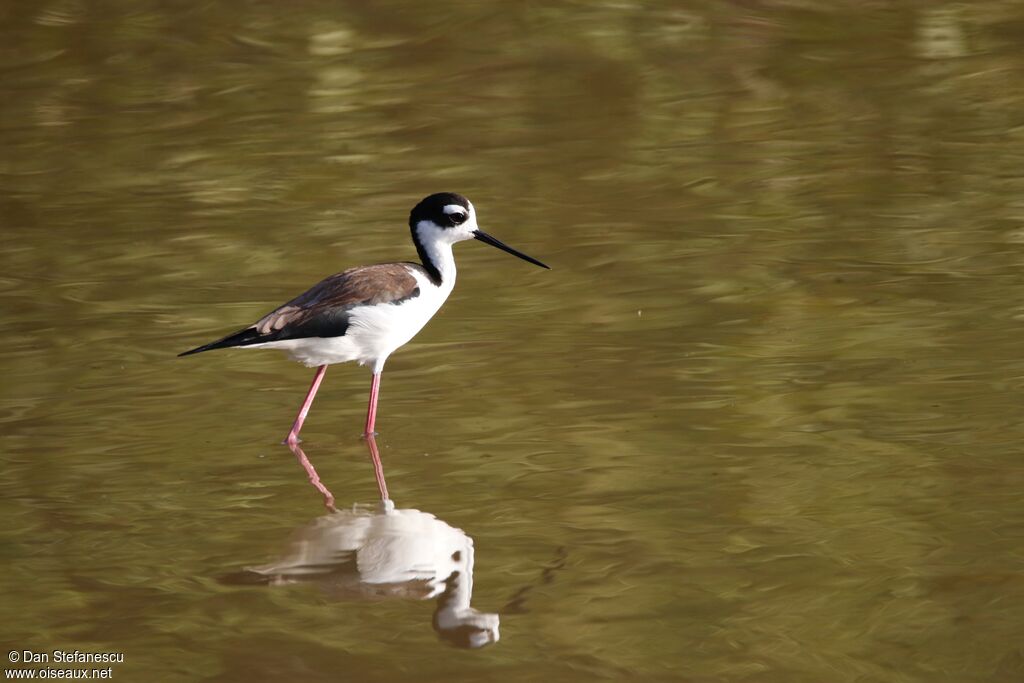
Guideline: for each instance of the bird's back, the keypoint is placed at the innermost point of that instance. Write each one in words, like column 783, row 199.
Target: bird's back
column 361, row 314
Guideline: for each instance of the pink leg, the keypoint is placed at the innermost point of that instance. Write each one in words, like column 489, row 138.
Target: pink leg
column 378, row 469
column 314, row 478
column 371, row 413
column 293, row 435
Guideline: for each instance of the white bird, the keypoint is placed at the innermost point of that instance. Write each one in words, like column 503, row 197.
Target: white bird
column 364, row 314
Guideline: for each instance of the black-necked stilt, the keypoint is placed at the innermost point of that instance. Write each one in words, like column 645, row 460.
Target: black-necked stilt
column 364, row 314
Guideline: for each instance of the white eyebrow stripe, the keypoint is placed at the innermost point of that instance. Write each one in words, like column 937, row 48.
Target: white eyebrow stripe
column 454, row 208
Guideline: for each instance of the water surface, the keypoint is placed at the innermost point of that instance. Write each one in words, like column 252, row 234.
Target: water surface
column 761, row 422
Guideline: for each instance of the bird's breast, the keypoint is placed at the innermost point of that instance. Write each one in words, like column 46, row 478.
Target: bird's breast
column 382, row 328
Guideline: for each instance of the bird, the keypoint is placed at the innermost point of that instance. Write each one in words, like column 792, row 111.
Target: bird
column 365, row 313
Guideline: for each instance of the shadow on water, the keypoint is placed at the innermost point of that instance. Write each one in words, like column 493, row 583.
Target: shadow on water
column 388, row 552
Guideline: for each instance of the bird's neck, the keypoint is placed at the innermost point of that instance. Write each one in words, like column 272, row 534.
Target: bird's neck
column 437, row 258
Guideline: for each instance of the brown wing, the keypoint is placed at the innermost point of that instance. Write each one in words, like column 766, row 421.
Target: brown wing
column 323, row 310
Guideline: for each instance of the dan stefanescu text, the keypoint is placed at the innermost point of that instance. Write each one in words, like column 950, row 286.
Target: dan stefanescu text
column 72, row 657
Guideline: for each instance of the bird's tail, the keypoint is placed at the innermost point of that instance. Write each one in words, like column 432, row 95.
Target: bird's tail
column 245, row 337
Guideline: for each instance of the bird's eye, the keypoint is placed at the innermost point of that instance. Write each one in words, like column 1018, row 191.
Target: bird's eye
column 458, row 217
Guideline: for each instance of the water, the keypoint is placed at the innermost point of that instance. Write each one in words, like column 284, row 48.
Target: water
column 761, row 422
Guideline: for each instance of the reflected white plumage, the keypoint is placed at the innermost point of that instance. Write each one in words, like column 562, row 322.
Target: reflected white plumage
column 366, row 313
column 401, row 553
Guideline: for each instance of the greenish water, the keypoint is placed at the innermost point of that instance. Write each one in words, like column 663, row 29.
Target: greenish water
column 761, row 422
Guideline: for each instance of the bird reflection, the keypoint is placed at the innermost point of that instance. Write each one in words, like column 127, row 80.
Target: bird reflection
column 388, row 552
column 314, row 478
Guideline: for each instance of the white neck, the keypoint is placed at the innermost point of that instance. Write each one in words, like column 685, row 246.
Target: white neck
column 438, row 252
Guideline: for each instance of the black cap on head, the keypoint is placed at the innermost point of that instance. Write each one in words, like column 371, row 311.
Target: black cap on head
column 432, row 209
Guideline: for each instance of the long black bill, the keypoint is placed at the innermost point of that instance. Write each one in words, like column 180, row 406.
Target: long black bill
column 487, row 239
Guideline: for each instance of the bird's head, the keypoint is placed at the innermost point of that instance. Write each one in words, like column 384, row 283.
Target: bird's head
column 447, row 218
